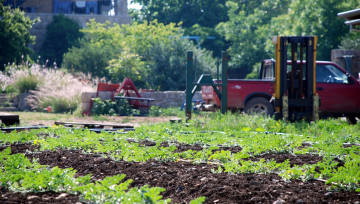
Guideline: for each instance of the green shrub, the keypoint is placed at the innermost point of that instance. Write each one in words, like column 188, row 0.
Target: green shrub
column 64, row 105
column 61, row 34
column 88, row 58
column 174, row 111
column 156, row 111
column 26, row 83
column 104, row 107
column 10, row 89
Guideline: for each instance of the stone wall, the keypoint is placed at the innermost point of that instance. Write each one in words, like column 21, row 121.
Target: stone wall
column 20, row 102
column 165, row 99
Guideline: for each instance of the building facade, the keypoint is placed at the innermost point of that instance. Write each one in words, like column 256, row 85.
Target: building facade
column 115, row 11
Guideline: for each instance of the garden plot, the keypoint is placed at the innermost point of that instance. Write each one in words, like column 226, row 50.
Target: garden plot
column 244, row 161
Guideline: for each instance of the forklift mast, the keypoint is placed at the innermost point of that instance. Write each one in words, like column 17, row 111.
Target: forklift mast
column 295, row 82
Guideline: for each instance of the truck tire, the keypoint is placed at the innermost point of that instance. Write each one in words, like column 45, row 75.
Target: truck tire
column 351, row 120
column 259, row 105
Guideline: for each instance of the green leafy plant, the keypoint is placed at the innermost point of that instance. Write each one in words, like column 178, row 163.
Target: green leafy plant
column 155, row 111
column 64, row 105
column 19, row 174
column 105, row 107
column 27, row 83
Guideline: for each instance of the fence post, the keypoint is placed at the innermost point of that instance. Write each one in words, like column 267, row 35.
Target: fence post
column 224, row 82
column 189, row 84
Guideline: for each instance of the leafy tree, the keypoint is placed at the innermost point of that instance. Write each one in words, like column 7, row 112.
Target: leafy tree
column 14, row 35
column 169, row 64
column 189, row 12
column 252, row 24
column 248, row 30
column 307, row 17
column 351, row 41
column 196, row 17
column 61, row 34
column 129, row 65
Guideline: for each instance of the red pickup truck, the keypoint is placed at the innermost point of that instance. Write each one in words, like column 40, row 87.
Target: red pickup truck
column 339, row 92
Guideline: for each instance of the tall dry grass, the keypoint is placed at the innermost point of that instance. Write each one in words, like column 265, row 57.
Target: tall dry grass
column 59, row 90
column 55, row 88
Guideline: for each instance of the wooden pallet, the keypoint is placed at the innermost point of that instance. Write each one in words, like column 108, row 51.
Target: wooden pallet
column 9, row 119
column 93, row 125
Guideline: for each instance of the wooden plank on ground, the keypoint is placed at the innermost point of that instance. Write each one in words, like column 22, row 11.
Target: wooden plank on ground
column 93, row 125
column 9, row 118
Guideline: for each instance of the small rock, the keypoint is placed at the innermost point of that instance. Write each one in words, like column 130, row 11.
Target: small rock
column 179, row 189
column 300, row 201
column 203, row 179
column 279, row 201
column 328, row 194
column 46, row 198
column 254, row 183
column 63, row 195
column 253, row 199
column 356, row 202
column 100, row 159
column 33, row 197
column 215, row 201
column 275, row 181
column 164, row 175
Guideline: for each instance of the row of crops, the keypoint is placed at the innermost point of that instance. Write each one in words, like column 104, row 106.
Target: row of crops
column 334, row 141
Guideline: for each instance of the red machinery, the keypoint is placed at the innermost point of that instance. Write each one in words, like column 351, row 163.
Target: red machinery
column 127, row 88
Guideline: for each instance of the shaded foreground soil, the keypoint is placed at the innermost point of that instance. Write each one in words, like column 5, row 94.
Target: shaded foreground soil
column 183, row 181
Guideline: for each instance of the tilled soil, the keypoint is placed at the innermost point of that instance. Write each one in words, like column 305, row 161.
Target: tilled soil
column 183, row 181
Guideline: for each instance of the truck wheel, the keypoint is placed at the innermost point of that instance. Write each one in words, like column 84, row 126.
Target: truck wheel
column 351, row 120
column 259, row 105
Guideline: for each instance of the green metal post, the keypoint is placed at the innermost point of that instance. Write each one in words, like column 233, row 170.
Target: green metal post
column 224, row 82
column 189, row 84
column 217, row 69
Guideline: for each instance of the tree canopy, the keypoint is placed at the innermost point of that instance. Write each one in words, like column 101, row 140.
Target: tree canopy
column 252, row 24
column 248, row 30
column 14, row 35
column 245, row 27
column 61, row 34
column 197, row 18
